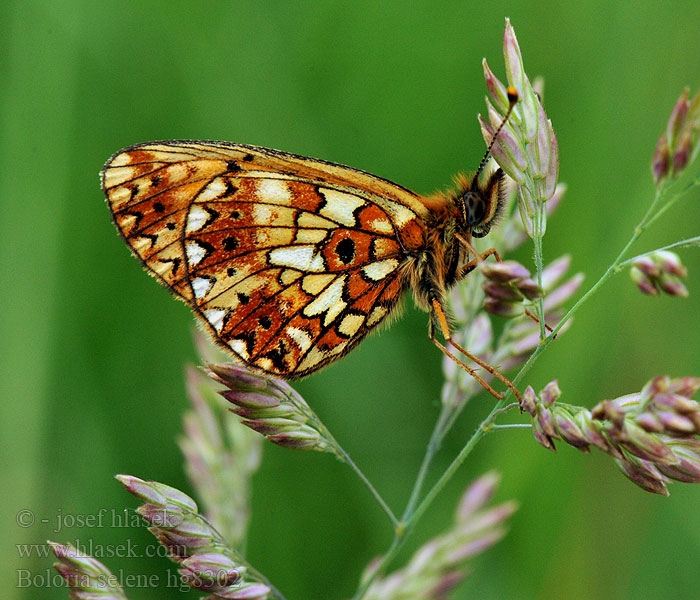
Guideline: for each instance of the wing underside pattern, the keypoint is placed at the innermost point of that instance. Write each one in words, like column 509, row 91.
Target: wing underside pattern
column 288, row 261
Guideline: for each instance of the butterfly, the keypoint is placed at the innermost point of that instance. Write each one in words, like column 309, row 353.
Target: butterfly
column 288, row 261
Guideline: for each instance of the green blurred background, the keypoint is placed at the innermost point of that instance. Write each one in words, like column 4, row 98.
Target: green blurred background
column 93, row 350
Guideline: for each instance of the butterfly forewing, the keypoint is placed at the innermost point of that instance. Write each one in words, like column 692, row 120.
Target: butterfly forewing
column 289, row 261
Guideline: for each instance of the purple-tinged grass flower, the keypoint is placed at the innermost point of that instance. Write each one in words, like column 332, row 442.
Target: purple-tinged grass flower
column 273, row 408
column 205, row 559
column 663, row 402
column 507, row 285
column 220, row 457
column 210, row 571
column 526, row 148
column 652, row 434
column 661, row 270
column 440, row 564
column 87, row 578
column 678, row 145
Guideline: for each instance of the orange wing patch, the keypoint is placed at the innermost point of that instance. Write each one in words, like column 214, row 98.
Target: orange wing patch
column 288, row 261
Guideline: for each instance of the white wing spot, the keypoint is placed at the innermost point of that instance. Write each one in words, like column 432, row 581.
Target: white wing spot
column 379, row 270
column 317, row 264
column 381, row 226
column 329, row 301
column 239, row 347
column 350, row 324
column 178, row 171
column 274, row 191
column 215, row 189
column 265, row 363
column 377, row 314
column 141, row 244
column 277, row 216
column 301, row 258
column 215, row 316
column 200, row 286
column 340, row 206
column 301, row 338
column 196, row 219
column 195, row 253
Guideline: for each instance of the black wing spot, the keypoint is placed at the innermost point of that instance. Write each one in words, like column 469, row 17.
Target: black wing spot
column 230, row 243
column 230, row 188
column 277, row 357
column 159, row 207
column 248, row 158
column 171, row 226
column 345, row 250
column 243, row 298
column 232, row 166
column 265, row 322
column 138, row 215
column 248, row 338
column 231, row 271
column 213, row 216
column 155, row 180
column 207, row 247
column 235, row 214
column 323, row 202
column 175, row 264
column 149, row 236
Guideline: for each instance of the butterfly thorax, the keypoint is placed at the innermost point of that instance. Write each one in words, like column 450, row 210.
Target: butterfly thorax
column 469, row 210
column 434, row 270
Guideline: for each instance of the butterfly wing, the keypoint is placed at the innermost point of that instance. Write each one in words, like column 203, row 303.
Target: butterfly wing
column 288, row 261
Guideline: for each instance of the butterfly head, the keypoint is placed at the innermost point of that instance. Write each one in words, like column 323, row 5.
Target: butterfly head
column 480, row 203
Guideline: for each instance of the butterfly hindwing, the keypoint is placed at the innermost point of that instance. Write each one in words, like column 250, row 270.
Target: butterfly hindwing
column 288, row 261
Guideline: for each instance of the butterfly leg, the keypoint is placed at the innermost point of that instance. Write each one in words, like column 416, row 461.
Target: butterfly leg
column 471, row 265
column 442, row 320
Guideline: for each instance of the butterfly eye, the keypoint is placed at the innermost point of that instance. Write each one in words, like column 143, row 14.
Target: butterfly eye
column 474, row 210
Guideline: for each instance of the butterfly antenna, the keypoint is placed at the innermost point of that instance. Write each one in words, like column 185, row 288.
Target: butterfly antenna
column 512, row 101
